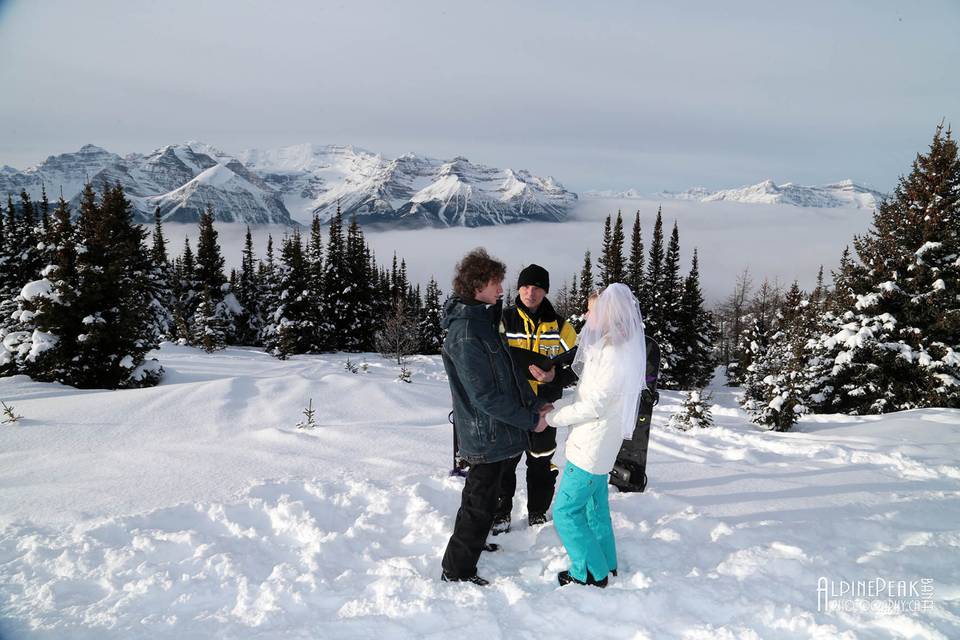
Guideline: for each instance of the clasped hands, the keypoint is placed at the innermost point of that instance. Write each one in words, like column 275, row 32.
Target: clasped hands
column 542, row 423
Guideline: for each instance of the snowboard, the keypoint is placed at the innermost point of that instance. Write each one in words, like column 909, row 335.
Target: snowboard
column 629, row 472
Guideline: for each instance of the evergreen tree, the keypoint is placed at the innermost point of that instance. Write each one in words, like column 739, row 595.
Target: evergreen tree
column 250, row 320
column 653, row 287
column 778, row 384
column 184, row 290
column 666, row 328
column 586, row 288
column 268, row 275
column 210, row 263
column 753, row 348
column 431, row 332
column 44, row 211
column 209, row 330
column 291, row 324
column 335, row 282
column 315, row 267
column 161, row 285
column 635, row 264
column 357, row 298
column 113, row 266
column 617, row 266
column 57, row 315
column 895, row 343
column 693, row 413
column 696, row 335
column 611, row 257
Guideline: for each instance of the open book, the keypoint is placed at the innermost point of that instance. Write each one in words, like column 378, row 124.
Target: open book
column 523, row 358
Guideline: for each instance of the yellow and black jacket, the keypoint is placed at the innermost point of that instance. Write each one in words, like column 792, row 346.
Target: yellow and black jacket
column 548, row 334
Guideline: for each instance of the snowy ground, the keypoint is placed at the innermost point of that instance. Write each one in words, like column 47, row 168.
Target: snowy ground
column 197, row 510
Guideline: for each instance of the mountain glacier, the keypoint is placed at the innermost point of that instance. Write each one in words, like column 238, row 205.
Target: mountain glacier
column 290, row 184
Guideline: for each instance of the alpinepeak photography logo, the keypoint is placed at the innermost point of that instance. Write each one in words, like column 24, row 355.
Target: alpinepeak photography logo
column 880, row 595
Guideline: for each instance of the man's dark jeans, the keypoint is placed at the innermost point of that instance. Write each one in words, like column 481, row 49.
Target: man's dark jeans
column 474, row 519
column 541, row 480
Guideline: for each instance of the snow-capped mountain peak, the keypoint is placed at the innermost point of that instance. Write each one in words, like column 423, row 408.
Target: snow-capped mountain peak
column 266, row 186
column 844, row 193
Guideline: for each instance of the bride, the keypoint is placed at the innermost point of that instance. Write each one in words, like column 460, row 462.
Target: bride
column 611, row 363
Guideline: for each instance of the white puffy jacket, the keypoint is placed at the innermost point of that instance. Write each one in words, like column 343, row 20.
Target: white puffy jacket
column 594, row 414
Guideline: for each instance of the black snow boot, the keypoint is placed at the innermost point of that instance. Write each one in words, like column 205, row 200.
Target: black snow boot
column 564, row 578
column 475, row 579
column 537, row 518
column 501, row 524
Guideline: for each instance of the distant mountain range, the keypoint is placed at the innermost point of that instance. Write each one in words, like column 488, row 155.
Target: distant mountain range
column 845, row 193
column 290, row 184
column 283, row 186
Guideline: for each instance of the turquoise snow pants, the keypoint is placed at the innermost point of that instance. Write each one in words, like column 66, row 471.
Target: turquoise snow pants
column 581, row 516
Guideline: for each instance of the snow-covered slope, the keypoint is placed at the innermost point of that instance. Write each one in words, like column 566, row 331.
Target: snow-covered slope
column 409, row 190
column 69, row 171
column 845, row 193
column 265, row 187
column 196, row 509
column 182, row 180
column 839, row 194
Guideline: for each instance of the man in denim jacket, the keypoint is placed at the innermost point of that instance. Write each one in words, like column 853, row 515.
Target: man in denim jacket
column 494, row 409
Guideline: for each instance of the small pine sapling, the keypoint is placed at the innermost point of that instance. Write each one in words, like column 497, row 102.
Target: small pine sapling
column 309, row 421
column 351, row 366
column 405, row 375
column 10, row 416
column 694, row 412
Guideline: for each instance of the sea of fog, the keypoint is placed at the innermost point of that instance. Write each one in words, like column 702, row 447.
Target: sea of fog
column 776, row 241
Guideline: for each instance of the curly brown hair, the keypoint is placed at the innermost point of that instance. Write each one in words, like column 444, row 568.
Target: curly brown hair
column 475, row 271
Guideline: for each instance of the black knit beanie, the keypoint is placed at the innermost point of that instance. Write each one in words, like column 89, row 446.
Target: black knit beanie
column 536, row 275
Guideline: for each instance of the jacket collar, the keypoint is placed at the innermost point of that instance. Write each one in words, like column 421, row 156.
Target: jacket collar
column 457, row 308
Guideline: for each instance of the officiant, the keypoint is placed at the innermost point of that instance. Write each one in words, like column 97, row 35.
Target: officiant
column 534, row 328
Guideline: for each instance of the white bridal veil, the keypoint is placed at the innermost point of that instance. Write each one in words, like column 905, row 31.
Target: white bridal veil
column 615, row 322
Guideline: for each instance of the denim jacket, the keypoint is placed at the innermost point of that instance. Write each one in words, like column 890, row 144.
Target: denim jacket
column 494, row 410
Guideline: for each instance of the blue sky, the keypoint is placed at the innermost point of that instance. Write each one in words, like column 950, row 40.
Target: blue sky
column 600, row 95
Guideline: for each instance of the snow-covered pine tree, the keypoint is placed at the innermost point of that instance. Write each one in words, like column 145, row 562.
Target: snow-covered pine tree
column 666, row 330
column 898, row 346
column 778, row 380
column 652, row 305
column 113, row 266
column 28, row 345
column 209, row 332
column 635, row 262
column 335, row 282
column 694, row 412
column 57, row 321
column 314, row 257
column 431, row 333
column 184, row 288
column 291, row 324
column 250, row 319
column 583, row 294
column 696, row 335
column 357, row 298
column 161, row 285
column 25, row 261
column 752, row 348
column 611, row 257
column 211, row 277
column 268, row 276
